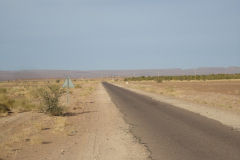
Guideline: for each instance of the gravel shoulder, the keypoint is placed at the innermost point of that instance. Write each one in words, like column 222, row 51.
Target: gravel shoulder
column 226, row 117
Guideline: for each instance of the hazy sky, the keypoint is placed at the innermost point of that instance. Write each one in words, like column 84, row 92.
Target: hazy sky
column 118, row 34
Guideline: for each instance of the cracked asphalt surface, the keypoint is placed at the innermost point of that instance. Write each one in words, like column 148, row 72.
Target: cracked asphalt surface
column 171, row 133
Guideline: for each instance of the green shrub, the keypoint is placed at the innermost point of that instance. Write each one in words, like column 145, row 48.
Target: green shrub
column 50, row 99
column 186, row 77
column 57, row 81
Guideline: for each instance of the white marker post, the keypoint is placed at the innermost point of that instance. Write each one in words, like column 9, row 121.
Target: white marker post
column 68, row 84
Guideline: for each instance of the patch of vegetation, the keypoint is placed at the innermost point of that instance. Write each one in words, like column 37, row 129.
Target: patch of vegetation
column 3, row 90
column 22, row 104
column 6, row 103
column 159, row 80
column 18, row 104
column 18, row 96
column 78, row 86
column 57, row 81
column 4, row 108
column 185, row 77
column 50, row 98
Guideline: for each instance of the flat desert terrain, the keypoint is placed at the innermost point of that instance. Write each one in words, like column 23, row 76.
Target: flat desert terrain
column 224, row 94
column 91, row 126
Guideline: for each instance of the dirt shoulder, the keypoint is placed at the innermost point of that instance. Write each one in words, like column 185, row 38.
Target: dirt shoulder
column 110, row 139
column 225, row 116
column 93, row 130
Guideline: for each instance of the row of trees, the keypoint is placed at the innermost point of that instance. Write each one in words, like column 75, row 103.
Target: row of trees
column 185, row 77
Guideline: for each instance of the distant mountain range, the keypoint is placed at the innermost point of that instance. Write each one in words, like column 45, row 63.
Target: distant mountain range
column 50, row 74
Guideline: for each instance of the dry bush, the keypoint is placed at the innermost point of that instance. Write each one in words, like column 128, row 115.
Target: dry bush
column 3, row 90
column 4, row 108
column 50, row 97
column 6, row 102
column 78, row 86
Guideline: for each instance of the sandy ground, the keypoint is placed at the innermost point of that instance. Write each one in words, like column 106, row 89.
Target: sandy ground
column 93, row 130
column 223, row 94
column 224, row 115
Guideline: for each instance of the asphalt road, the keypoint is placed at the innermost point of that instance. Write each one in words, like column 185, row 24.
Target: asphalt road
column 171, row 133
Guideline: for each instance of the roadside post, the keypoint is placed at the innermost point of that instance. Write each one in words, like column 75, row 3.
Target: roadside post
column 68, row 84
